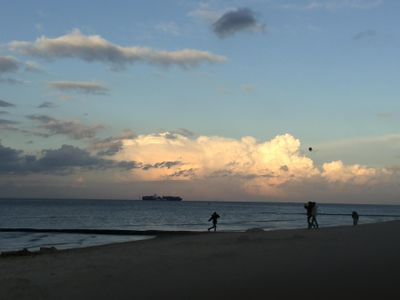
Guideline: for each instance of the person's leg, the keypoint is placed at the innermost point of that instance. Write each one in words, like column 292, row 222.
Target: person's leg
column 315, row 222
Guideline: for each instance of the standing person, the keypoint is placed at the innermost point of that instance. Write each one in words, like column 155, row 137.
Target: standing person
column 314, row 212
column 308, row 207
column 355, row 217
column 214, row 218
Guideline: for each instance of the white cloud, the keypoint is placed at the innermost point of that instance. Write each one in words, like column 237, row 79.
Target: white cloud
column 94, row 48
column 336, row 171
column 263, row 169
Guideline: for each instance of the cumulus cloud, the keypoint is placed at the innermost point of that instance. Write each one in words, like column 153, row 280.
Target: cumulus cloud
column 233, row 21
column 364, row 34
column 73, row 129
column 209, row 167
column 94, row 48
column 336, row 171
column 6, row 104
column 261, row 168
column 87, row 87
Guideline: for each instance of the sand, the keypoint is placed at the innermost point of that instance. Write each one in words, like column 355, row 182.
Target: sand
column 360, row 262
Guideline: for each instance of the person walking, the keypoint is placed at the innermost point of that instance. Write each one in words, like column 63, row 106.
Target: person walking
column 355, row 217
column 308, row 207
column 214, row 218
column 314, row 212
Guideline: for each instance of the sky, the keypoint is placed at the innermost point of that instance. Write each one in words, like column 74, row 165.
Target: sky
column 209, row 100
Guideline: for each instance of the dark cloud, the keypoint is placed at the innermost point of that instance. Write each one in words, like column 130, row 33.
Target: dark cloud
column 47, row 104
column 12, row 160
column 73, row 129
column 6, row 104
column 94, row 48
column 8, row 125
column 364, row 34
column 87, row 87
column 231, row 22
column 184, row 173
column 2, row 112
column 8, row 64
column 221, row 173
column 161, row 165
column 111, row 145
column 64, row 160
column 68, row 157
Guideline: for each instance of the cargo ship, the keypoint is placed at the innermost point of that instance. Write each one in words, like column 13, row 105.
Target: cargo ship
column 163, row 198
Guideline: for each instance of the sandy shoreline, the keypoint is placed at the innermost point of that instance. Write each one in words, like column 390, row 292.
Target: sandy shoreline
column 331, row 263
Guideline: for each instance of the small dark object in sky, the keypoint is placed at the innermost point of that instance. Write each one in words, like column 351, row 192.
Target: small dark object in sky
column 310, row 149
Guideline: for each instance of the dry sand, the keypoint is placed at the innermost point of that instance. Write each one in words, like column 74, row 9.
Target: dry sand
column 360, row 262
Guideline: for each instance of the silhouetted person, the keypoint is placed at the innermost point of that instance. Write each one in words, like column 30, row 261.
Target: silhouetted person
column 308, row 207
column 214, row 218
column 314, row 212
column 355, row 217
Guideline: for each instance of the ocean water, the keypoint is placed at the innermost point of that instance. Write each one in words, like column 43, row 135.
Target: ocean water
column 159, row 215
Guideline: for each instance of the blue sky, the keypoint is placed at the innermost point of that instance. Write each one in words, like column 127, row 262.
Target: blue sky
column 324, row 73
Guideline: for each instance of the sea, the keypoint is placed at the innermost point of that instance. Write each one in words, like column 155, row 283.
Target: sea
column 85, row 219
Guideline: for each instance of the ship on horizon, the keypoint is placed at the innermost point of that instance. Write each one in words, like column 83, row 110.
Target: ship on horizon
column 155, row 197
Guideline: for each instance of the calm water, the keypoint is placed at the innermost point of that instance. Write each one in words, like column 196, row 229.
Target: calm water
column 141, row 215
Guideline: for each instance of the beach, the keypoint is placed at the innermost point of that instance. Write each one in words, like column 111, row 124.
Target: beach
column 345, row 262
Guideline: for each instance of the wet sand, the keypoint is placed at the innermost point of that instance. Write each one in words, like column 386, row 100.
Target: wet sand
column 347, row 262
